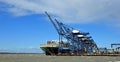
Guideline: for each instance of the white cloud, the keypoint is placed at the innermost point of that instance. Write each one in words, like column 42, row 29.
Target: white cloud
column 71, row 11
column 22, row 50
column 30, row 49
column 3, row 49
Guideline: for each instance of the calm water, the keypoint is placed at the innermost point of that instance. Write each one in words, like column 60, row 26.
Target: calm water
column 43, row 58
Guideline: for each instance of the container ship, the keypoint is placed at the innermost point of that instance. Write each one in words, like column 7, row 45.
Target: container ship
column 53, row 48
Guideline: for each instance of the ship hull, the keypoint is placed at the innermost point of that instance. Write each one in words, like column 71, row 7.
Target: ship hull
column 50, row 50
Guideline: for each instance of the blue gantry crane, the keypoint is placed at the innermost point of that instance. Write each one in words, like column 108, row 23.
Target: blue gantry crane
column 77, row 42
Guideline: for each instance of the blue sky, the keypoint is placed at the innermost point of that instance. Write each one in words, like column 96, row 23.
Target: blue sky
column 24, row 25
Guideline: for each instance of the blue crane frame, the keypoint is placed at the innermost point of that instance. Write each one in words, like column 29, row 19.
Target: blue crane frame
column 78, row 45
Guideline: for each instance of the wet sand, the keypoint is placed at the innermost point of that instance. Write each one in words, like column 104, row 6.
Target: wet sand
column 44, row 58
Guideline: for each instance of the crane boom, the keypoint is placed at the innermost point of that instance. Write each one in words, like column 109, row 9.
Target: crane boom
column 52, row 22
